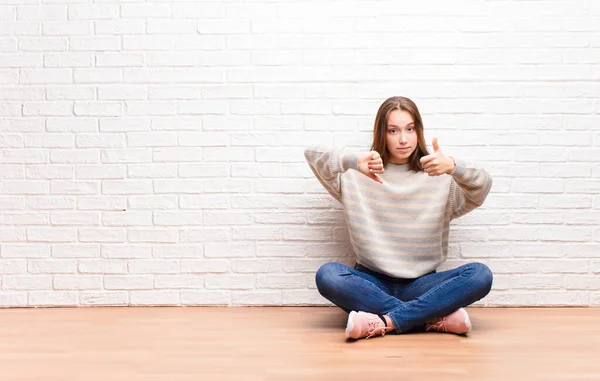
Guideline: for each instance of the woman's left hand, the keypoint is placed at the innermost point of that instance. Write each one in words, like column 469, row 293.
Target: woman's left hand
column 437, row 164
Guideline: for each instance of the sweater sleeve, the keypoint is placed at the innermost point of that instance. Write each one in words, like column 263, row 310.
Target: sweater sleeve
column 469, row 188
column 328, row 165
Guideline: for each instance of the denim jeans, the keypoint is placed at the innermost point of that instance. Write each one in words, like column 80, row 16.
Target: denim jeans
column 408, row 302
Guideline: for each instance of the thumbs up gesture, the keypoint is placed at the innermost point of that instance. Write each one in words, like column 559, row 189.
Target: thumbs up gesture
column 437, row 164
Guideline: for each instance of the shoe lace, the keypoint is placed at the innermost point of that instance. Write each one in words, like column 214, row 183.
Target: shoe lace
column 375, row 328
column 438, row 324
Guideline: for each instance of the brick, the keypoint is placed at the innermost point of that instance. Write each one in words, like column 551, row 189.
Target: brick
column 205, row 298
column 100, row 172
column 102, row 266
column 10, row 266
column 101, row 235
column 102, row 203
column 178, row 251
column 179, row 281
column 75, row 156
column 257, row 266
column 65, row 187
column 206, row 266
column 13, row 299
column 256, row 298
column 49, row 172
column 188, row 218
column 229, row 250
column 205, row 235
column 126, row 252
column 281, row 281
column 168, row 202
column 152, row 235
column 177, row 186
column 119, row 27
column 75, row 251
column 27, row 282
column 52, row 298
column 13, row 219
column 107, row 298
column 154, row 298
column 563, row 298
column 208, row 201
column 126, row 218
column 51, row 234
column 77, row 218
column 77, row 282
column 128, row 282
column 153, row 266
column 229, row 282
column 25, row 251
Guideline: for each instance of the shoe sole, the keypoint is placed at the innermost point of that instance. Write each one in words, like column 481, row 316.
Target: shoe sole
column 350, row 324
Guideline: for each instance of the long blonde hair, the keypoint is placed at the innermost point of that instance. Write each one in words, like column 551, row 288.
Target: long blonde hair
column 380, row 130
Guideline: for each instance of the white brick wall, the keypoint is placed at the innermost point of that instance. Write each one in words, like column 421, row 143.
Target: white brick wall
column 151, row 152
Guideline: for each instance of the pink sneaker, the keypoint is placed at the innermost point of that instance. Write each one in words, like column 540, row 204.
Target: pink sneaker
column 457, row 322
column 363, row 324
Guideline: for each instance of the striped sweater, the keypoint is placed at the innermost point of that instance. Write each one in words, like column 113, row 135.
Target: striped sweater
column 399, row 228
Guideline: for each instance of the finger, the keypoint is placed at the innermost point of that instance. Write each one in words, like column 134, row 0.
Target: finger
column 431, row 165
column 375, row 155
column 436, row 172
column 436, row 147
column 430, row 169
column 375, row 166
column 427, row 159
column 375, row 177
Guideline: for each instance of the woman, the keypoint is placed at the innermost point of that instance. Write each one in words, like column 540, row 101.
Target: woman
column 398, row 202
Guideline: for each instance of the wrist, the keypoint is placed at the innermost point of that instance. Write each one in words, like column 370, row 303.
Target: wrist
column 349, row 160
column 451, row 165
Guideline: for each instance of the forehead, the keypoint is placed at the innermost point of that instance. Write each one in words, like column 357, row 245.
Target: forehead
column 399, row 118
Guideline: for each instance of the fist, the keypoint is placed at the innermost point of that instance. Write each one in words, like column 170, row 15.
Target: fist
column 370, row 164
column 437, row 164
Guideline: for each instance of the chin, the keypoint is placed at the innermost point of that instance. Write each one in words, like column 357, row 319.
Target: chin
column 402, row 159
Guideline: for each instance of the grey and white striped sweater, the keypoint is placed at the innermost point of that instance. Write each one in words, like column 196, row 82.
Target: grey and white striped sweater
column 399, row 228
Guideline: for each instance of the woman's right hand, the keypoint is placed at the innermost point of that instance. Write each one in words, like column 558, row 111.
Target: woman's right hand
column 370, row 164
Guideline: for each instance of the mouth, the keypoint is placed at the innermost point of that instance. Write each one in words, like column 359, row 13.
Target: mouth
column 403, row 149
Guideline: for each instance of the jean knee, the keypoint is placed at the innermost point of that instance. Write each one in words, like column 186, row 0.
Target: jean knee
column 326, row 278
column 483, row 277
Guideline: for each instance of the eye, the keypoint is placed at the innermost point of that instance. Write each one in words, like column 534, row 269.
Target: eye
column 411, row 129
column 392, row 131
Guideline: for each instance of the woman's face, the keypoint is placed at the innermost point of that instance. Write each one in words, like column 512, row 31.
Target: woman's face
column 401, row 136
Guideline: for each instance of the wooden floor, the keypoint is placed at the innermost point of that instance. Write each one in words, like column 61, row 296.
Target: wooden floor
column 306, row 343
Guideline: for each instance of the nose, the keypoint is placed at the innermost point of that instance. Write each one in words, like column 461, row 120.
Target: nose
column 402, row 137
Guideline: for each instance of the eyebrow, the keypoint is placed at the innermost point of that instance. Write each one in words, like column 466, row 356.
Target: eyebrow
column 393, row 125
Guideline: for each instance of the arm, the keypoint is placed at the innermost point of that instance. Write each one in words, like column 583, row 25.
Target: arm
column 469, row 188
column 328, row 166
column 470, row 185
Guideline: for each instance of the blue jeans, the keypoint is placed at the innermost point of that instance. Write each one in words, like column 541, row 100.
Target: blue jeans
column 408, row 302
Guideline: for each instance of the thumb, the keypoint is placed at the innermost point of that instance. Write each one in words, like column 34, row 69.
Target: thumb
column 375, row 177
column 436, row 147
